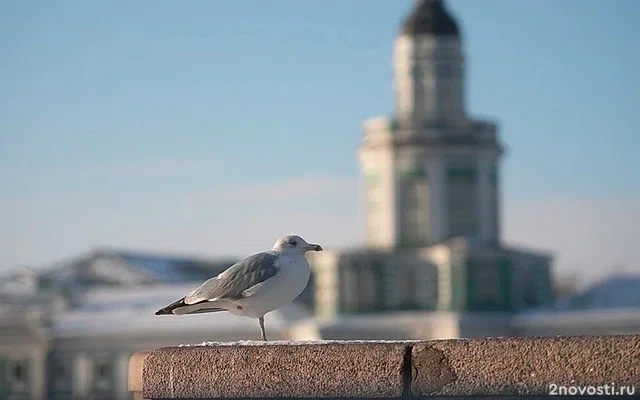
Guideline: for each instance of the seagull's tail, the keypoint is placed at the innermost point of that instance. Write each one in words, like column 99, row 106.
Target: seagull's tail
column 180, row 307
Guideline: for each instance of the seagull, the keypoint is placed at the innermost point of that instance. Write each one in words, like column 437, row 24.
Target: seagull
column 260, row 283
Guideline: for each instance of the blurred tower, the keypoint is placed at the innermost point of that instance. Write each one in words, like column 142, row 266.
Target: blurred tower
column 430, row 171
column 431, row 202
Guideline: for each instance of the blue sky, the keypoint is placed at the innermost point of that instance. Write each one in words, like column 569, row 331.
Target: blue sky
column 211, row 127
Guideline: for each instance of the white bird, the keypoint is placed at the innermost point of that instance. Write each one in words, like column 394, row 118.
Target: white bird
column 260, row 283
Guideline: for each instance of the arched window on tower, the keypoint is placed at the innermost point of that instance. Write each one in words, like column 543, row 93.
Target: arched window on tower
column 462, row 197
column 348, row 288
column 408, row 286
column 414, row 208
column 368, row 288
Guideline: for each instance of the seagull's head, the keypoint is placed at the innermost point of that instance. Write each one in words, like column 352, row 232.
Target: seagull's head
column 294, row 243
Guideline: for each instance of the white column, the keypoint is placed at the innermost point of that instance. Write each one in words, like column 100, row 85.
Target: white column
column 379, row 159
column 37, row 372
column 122, row 376
column 403, row 77
column 390, row 196
column 81, row 375
column 445, row 294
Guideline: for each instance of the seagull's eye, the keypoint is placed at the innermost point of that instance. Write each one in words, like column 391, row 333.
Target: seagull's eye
column 293, row 243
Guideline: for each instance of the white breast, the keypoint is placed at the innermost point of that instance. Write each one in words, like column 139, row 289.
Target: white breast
column 279, row 290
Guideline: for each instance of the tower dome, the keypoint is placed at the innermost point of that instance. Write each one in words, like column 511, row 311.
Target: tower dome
column 430, row 17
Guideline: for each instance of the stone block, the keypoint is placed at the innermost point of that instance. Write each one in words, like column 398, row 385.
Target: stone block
column 323, row 369
column 523, row 366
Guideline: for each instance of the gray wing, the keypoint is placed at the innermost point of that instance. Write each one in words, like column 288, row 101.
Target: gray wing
column 236, row 279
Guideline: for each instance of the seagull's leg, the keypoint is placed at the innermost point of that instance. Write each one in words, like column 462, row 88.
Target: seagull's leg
column 263, row 334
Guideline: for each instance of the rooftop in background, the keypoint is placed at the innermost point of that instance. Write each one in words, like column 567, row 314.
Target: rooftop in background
column 112, row 267
column 617, row 292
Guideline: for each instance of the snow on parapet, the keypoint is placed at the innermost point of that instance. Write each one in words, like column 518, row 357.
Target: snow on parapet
column 297, row 343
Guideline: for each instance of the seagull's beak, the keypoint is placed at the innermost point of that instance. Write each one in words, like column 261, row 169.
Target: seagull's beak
column 314, row 247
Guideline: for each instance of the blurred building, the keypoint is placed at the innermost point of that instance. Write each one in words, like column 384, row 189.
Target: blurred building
column 431, row 189
column 24, row 337
column 67, row 332
column 91, row 344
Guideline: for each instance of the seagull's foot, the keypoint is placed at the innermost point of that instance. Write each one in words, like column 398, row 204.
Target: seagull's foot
column 263, row 334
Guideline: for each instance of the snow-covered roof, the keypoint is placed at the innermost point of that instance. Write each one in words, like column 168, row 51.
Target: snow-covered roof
column 138, row 298
column 618, row 292
column 577, row 317
column 19, row 282
column 168, row 268
column 129, row 268
column 131, row 311
column 611, row 301
column 15, row 288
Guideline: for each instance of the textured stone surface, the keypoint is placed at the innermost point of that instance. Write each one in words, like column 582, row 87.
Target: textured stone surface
column 487, row 367
column 526, row 366
column 308, row 370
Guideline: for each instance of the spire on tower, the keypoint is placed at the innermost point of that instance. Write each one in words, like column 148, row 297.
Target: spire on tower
column 430, row 17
